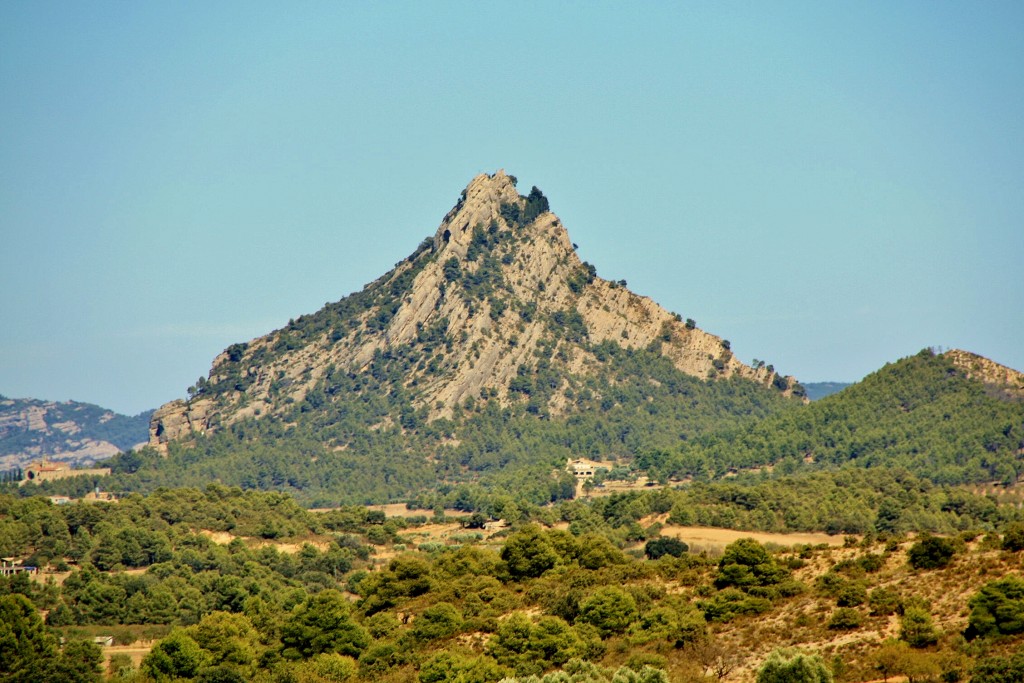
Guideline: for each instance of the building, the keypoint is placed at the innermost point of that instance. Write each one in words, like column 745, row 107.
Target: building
column 51, row 471
column 10, row 566
column 581, row 468
column 98, row 496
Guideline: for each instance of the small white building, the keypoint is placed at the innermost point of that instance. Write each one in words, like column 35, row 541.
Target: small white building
column 581, row 468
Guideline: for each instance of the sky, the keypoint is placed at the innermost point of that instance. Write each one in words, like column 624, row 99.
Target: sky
column 831, row 186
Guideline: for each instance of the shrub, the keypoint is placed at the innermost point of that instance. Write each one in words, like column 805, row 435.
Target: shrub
column 931, row 552
column 786, row 666
column 1013, row 537
column 747, row 563
column 528, row 553
column 437, row 621
column 731, row 603
column 883, row 602
column 610, row 610
column 659, row 547
column 851, row 594
column 999, row 669
column 845, row 619
column 916, row 627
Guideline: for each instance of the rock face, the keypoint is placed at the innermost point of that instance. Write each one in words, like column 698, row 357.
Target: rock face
column 1007, row 380
column 497, row 290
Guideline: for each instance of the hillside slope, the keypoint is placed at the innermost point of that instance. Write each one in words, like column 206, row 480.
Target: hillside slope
column 950, row 418
column 495, row 297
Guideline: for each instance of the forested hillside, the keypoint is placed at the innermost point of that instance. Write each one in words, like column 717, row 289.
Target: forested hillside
column 921, row 413
column 246, row 586
column 330, row 452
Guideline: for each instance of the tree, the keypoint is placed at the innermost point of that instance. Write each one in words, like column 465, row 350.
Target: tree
column 322, row 624
column 230, row 639
column 787, row 666
column 176, row 656
column 447, row 666
column 889, row 659
column 610, row 610
column 713, row 656
column 665, row 545
column 998, row 608
column 531, row 648
column 26, row 649
column 931, row 552
column 528, row 553
column 917, row 628
column 329, row 667
column 79, row 662
column 747, row 563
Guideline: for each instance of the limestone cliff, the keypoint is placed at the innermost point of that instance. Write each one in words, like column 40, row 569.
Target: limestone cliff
column 497, row 292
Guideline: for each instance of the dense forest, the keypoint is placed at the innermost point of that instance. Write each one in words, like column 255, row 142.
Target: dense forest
column 241, row 586
column 921, row 413
column 919, row 416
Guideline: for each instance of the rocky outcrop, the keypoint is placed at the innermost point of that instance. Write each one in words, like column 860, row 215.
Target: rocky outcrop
column 1007, row 380
column 68, row 432
column 501, row 281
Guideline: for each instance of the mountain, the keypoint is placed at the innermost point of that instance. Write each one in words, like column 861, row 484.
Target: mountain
column 73, row 432
column 951, row 418
column 496, row 293
column 491, row 355
column 816, row 390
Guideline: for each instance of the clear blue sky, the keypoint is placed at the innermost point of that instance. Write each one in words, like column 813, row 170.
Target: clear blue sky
column 831, row 186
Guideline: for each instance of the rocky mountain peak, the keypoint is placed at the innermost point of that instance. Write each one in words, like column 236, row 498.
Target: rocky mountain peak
column 497, row 298
column 479, row 205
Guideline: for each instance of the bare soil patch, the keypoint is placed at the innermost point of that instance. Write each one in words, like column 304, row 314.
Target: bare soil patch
column 137, row 652
column 224, row 537
column 709, row 537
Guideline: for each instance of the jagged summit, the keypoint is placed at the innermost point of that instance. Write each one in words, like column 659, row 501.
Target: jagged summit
column 497, row 305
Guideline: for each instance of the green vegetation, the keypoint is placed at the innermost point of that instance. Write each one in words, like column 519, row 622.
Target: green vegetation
column 29, row 652
column 794, row 667
column 921, row 414
column 931, row 552
column 999, row 607
column 360, row 438
column 238, row 581
column 354, row 595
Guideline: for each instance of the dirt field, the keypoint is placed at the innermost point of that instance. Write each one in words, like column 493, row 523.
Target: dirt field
column 223, row 538
column 137, row 651
column 699, row 537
